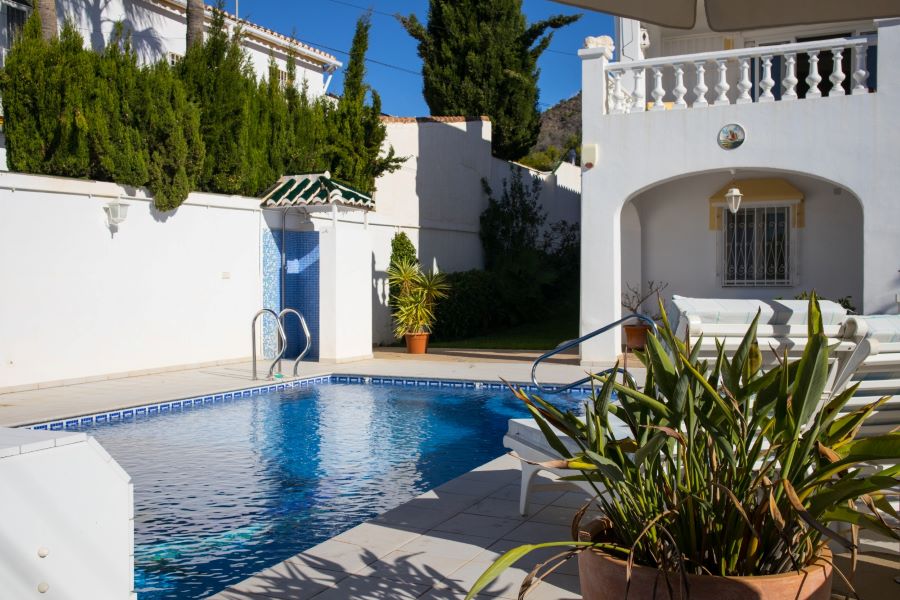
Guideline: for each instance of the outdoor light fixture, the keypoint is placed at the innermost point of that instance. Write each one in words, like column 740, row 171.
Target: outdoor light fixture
column 733, row 197
column 116, row 212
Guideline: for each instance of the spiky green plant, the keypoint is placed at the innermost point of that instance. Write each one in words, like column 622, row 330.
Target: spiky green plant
column 725, row 469
column 417, row 295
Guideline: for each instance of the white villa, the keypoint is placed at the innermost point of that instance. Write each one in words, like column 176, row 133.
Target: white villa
column 158, row 30
column 809, row 125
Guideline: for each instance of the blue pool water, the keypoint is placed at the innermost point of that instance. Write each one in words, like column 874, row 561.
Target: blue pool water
column 224, row 491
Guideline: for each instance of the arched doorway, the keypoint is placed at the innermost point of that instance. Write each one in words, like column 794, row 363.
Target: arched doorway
column 792, row 234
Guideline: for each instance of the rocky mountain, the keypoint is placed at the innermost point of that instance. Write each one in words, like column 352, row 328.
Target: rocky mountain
column 559, row 124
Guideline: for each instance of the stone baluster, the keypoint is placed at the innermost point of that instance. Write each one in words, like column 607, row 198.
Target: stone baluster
column 658, row 92
column 722, row 87
column 860, row 74
column 837, row 74
column 679, row 90
column 640, row 91
column 616, row 94
column 790, row 81
column 813, row 79
column 744, row 85
column 766, row 83
column 700, row 89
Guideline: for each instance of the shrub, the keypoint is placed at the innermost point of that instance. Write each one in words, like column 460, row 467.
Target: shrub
column 471, row 307
column 75, row 113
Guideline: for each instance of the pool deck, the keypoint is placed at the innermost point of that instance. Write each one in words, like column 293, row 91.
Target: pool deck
column 82, row 398
column 435, row 546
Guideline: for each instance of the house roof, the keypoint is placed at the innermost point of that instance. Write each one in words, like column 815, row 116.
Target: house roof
column 267, row 34
column 309, row 189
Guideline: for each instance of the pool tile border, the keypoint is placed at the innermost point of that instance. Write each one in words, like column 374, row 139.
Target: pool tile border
column 172, row 406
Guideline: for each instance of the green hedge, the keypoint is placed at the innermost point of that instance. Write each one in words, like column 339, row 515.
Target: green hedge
column 205, row 124
column 471, row 308
column 75, row 113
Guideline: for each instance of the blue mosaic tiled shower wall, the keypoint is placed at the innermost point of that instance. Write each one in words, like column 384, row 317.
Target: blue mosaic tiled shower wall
column 301, row 288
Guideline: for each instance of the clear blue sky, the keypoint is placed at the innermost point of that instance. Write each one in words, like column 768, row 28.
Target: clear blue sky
column 329, row 25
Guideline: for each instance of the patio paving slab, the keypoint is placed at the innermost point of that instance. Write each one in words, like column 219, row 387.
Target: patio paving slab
column 88, row 396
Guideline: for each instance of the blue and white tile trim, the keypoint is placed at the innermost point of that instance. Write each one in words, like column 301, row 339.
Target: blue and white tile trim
column 173, row 406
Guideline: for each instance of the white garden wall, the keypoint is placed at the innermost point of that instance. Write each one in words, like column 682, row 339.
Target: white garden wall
column 178, row 289
column 164, row 290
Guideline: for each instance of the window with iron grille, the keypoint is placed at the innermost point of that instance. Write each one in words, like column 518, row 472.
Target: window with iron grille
column 757, row 246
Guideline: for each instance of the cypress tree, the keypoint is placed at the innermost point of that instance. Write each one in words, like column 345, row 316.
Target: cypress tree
column 172, row 133
column 356, row 133
column 307, row 128
column 480, row 58
column 118, row 152
column 219, row 79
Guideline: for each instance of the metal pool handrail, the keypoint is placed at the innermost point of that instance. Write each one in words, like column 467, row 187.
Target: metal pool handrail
column 291, row 311
column 578, row 341
column 281, row 336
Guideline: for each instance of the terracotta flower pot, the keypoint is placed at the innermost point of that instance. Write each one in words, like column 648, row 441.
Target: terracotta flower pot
column 416, row 343
column 604, row 578
column 636, row 336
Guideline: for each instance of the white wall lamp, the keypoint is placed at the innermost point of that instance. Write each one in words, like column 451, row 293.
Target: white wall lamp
column 116, row 212
column 733, row 197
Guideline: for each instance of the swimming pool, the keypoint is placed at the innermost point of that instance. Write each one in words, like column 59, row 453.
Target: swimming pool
column 223, row 491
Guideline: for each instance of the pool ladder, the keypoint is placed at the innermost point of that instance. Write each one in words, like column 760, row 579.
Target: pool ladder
column 577, row 342
column 282, row 339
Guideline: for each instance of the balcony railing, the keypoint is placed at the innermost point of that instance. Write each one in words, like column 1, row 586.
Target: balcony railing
column 739, row 76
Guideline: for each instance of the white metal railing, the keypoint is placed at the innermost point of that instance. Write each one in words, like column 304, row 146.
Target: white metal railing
column 759, row 59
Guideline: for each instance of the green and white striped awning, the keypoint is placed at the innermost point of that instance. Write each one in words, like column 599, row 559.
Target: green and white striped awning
column 311, row 189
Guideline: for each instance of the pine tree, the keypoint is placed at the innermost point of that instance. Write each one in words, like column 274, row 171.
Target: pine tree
column 480, row 58
column 47, row 11
column 356, row 133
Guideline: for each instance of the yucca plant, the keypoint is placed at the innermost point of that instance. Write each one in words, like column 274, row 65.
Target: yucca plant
column 726, row 470
column 417, row 294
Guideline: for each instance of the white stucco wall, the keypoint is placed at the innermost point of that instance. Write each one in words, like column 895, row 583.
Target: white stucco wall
column 675, row 216
column 164, row 290
column 436, row 197
column 846, row 141
column 68, row 518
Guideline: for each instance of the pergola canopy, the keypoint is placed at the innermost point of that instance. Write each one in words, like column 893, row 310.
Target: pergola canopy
column 740, row 15
column 311, row 189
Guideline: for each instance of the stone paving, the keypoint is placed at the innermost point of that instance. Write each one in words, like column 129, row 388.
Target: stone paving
column 435, row 546
column 75, row 399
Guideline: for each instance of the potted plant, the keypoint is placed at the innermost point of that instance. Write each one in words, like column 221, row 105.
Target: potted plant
column 633, row 301
column 417, row 294
column 727, row 479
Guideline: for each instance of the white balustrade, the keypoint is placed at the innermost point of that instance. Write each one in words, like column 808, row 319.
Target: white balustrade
column 837, row 74
column 813, row 79
column 766, row 83
column 860, row 74
column 639, row 95
column 679, row 90
column 790, row 81
column 744, row 85
column 668, row 77
column 659, row 92
column 700, row 89
column 722, row 87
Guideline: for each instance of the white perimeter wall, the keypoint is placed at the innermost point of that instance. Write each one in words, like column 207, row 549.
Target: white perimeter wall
column 436, row 197
column 165, row 290
column 179, row 289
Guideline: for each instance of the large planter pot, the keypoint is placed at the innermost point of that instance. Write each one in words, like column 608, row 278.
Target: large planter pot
column 604, row 578
column 636, row 336
column 416, row 343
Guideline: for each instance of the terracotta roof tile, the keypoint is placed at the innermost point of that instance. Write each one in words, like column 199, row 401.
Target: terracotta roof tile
column 390, row 119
